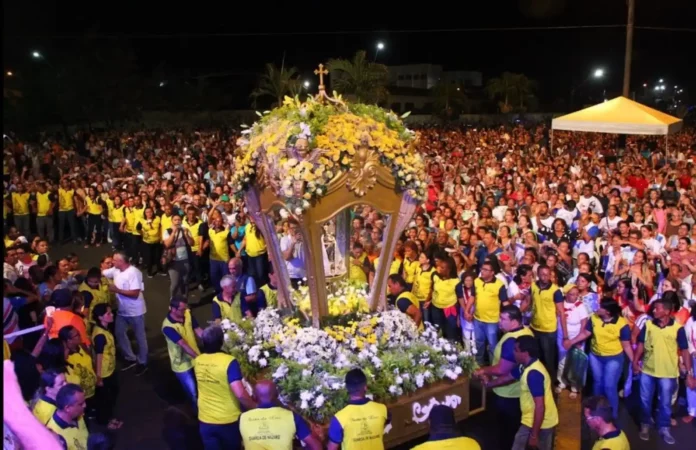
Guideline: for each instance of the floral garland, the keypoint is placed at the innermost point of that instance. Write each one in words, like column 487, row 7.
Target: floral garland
column 309, row 364
column 301, row 146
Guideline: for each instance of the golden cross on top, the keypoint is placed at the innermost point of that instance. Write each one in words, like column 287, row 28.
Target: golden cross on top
column 321, row 72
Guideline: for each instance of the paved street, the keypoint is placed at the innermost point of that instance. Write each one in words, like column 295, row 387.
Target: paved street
column 144, row 400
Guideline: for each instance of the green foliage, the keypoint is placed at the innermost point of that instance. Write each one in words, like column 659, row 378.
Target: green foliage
column 513, row 89
column 366, row 80
column 276, row 83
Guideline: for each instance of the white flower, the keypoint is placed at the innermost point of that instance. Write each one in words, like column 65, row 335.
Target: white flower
column 263, row 362
column 306, row 396
column 458, row 370
column 304, row 405
column 376, row 362
column 292, row 162
column 266, row 354
column 298, row 211
column 399, row 380
column 319, row 401
column 420, row 380
column 281, row 371
column 450, row 374
column 319, row 191
column 393, row 390
column 306, row 373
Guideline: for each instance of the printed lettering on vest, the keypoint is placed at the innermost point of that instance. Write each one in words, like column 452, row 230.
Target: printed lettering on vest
column 422, row 413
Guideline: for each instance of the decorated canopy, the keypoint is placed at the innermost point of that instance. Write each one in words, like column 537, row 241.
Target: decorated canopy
column 619, row 116
column 317, row 158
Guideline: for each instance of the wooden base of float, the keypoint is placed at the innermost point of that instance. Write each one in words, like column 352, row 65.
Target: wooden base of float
column 409, row 413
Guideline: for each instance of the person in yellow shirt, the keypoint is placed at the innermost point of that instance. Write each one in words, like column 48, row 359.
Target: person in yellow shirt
column 43, row 205
column 116, row 214
column 404, row 300
column 193, row 223
column 94, row 208
column 539, row 412
column 67, row 211
column 483, row 309
column 270, row 426
column 447, row 298
column 219, row 243
column 67, row 421
column 132, row 240
column 181, row 329
column 105, row 364
column 80, row 365
column 221, row 393
column 255, row 246
column 410, row 264
column 660, row 344
column 360, row 425
column 506, row 399
column 150, row 230
column 360, row 266
column 547, row 313
column 444, row 434
column 20, row 210
column 611, row 338
column 423, row 284
column 600, row 419
column 44, row 405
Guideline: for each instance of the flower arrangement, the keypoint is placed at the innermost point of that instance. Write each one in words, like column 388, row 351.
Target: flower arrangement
column 343, row 298
column 309, row 364
column 301, row 146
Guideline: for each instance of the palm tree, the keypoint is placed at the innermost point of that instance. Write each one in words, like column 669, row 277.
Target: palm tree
column 276, row 83
column 366, row 80
column 448, row 97
column 524, row 88
column 503, row 86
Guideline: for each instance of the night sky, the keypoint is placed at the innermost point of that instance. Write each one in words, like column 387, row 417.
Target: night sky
column 165, row 33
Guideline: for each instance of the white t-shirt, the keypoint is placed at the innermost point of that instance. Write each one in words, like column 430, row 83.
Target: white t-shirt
column 608, row 223
column 591, row 204
column 296, row 265
column 567, row 216
column 575, row 313
column 129, row 279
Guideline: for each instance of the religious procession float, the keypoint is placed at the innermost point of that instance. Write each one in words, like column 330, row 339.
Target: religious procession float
column 315, row 161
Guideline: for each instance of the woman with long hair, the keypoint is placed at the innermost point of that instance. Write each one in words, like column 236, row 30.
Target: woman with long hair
column 446, row 299
column 576, row 317
column 255, row 246
column 423, row 283
column 586, row 295
column 151, row 232
column 611, row 337
column 468, row 337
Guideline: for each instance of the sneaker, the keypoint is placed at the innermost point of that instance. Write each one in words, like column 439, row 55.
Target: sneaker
column 149, row 276
column 666, row 436
column 128, row 365
column 644, row 432
column 163, row 274
column 141, row 369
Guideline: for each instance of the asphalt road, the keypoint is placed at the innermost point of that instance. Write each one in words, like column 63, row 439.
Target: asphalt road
column 143, row 400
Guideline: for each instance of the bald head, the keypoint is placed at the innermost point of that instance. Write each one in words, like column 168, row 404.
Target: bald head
column 265, row 391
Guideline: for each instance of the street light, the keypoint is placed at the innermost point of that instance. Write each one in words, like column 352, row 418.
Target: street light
column 645, row 84
column 162, row 83
column 36, row 54
column 596, row 74
column 9, row 73
column 380, row 46
column 306, row 84
column 599, row 73
column 661, row 80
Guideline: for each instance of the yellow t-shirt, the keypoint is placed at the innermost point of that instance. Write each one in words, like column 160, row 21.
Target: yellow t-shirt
column 616, row 440
column 267, row 428
column 487, row 300
column 151, row 230
column 217, row 404
column 109, row 353
column 43, row 203
column 65, row 199
column 20, row 203
column 82, row 372
column 74, row 437
column 527, row 399
column 219, row 246
column 455, row 443
column 93, row 206
column 43, row 409
column 363, row 426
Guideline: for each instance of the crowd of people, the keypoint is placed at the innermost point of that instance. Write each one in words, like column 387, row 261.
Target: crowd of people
column 555, row 258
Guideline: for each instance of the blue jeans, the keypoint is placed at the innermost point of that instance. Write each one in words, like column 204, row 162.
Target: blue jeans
column 485, row 332
column 137, row 323
column 606, row 371
column 188, row 382
column 219, row 437
column 665, row 389
column 218, row 269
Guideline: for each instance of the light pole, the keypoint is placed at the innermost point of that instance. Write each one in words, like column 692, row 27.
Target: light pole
column 596, row 74
column 380, row 46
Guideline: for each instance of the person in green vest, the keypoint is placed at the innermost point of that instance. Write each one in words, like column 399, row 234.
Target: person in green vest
column 660, row 343
column 227, row 304
column 67, row 421
column 600, row 419
column 268, row 293
column 272, row 427
column 180, row 329
column 444, row 434
column 360, row 425
column 539, row 412
column 405, row 301
column 105, row 364
column 506, row 399
column 221, row 393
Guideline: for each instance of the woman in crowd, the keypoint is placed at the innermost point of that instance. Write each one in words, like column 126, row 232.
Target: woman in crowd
column 44, row 403
column 446, row 299
column 611, row 338
column 576, row 317
column 150, row 230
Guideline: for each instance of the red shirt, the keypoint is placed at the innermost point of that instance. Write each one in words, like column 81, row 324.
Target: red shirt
column 640, row 184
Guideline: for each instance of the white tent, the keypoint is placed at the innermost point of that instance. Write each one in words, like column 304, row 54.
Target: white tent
column 619, row 116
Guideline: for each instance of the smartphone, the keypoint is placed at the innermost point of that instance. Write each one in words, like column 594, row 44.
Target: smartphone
column 50, row 310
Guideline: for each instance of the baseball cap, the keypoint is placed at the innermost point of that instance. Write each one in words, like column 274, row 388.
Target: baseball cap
column 224, row 198
column 61, row 298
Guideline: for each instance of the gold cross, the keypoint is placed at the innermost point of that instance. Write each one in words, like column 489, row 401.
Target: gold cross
column 321, row 72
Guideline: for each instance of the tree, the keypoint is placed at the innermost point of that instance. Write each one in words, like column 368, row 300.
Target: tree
column 512, row 88
column 449, row 99
column 366, row 80
column 276, row 83
column 503, row 86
